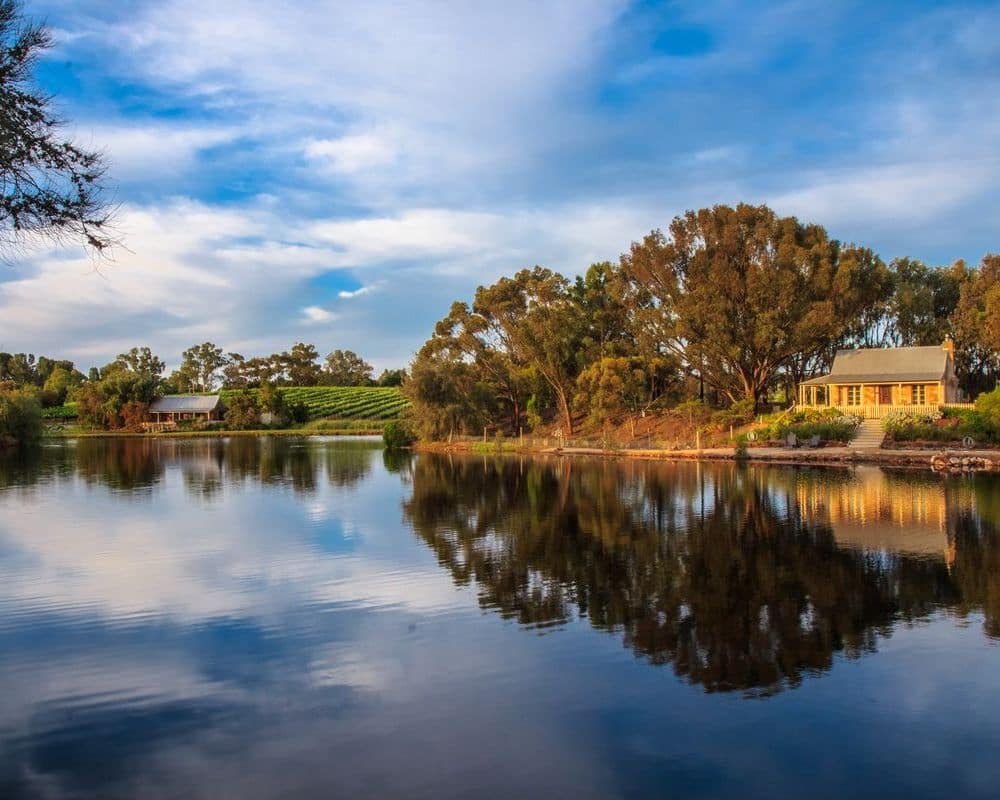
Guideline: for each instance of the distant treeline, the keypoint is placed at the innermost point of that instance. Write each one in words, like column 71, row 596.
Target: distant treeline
column 733, row 306
column 204, row 368
column 118, row 394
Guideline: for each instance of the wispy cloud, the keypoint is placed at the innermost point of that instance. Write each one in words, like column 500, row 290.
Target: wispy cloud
column 346, row 294
column 352, row 153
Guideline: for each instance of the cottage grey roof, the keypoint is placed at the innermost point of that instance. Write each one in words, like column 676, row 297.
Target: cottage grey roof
column 185, row 404
column 886, row 365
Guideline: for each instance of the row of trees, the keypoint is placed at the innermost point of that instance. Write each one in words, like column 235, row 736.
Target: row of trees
column 204, row 368
column 730, row 305
column 118, row 394
column 52, row 379
column 299, row 366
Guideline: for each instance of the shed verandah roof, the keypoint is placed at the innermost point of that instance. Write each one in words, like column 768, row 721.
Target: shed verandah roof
column 185, row 404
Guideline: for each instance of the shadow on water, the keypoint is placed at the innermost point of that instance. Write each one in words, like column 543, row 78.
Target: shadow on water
column 739, row 578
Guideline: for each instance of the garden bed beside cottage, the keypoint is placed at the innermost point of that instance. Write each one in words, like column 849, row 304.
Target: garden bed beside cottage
column 833, row 427
column 947, row 427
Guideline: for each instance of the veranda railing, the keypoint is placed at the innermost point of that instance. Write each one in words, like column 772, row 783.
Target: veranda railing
column 877, row 411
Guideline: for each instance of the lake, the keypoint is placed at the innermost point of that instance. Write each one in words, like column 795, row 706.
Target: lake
column 300, row 618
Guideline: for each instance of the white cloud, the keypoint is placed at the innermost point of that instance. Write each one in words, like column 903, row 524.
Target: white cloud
column 346, row 294
column 150, row 151
column 390, row 95
column 318, row 314
column 417, row 232
column 903, row 193
column 420, row 56
column 350, row 154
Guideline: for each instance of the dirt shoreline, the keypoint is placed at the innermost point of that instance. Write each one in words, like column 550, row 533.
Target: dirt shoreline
column 953, row 459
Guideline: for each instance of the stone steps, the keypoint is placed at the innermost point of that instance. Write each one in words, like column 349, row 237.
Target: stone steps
column 869, row 435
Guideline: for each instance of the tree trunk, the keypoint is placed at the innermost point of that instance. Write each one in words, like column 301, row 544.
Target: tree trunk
column 564, row 410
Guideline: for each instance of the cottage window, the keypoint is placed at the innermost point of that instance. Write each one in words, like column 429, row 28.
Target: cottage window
column 854, row 395
column 919, row 394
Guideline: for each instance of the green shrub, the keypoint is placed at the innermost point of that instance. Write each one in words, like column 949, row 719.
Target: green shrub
column 64, row 412
column 20, row 416
column 836, row 430
column 829, row 424
column 100, row 403
column 694, row 411
column 988, row 405
column 298, row 411
column 242, row 412
column 739, row 413
column 951, row 425
column 398, row 435
column 532, row 413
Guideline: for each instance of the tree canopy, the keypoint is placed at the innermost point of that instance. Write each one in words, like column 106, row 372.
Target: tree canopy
column 49, row 187
column 347, row 368
column 740, row 292
column 735, row 304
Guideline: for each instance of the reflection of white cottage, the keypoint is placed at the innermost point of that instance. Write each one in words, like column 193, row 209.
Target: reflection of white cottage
column 871, row 382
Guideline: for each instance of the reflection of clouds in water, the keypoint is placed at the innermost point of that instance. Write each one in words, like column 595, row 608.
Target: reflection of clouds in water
column 129, row 567
column 73, row 685
column 343, row 665
column 378, row 712
column 248, row 552
column 317, row 510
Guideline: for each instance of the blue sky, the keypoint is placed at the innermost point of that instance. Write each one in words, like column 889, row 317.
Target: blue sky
column 340, row 172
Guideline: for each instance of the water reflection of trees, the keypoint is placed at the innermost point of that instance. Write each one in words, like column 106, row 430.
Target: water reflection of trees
column 121, row 464
column 713, row 570
column 290, row 461
column 974, row 525
column 207, row 465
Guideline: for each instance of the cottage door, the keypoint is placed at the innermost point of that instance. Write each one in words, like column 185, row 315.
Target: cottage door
column 885, row 395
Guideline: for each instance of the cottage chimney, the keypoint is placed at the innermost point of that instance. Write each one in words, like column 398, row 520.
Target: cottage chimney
column 948, row 345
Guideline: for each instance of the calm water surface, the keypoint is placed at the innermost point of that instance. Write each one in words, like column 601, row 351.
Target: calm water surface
column 315, row 618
